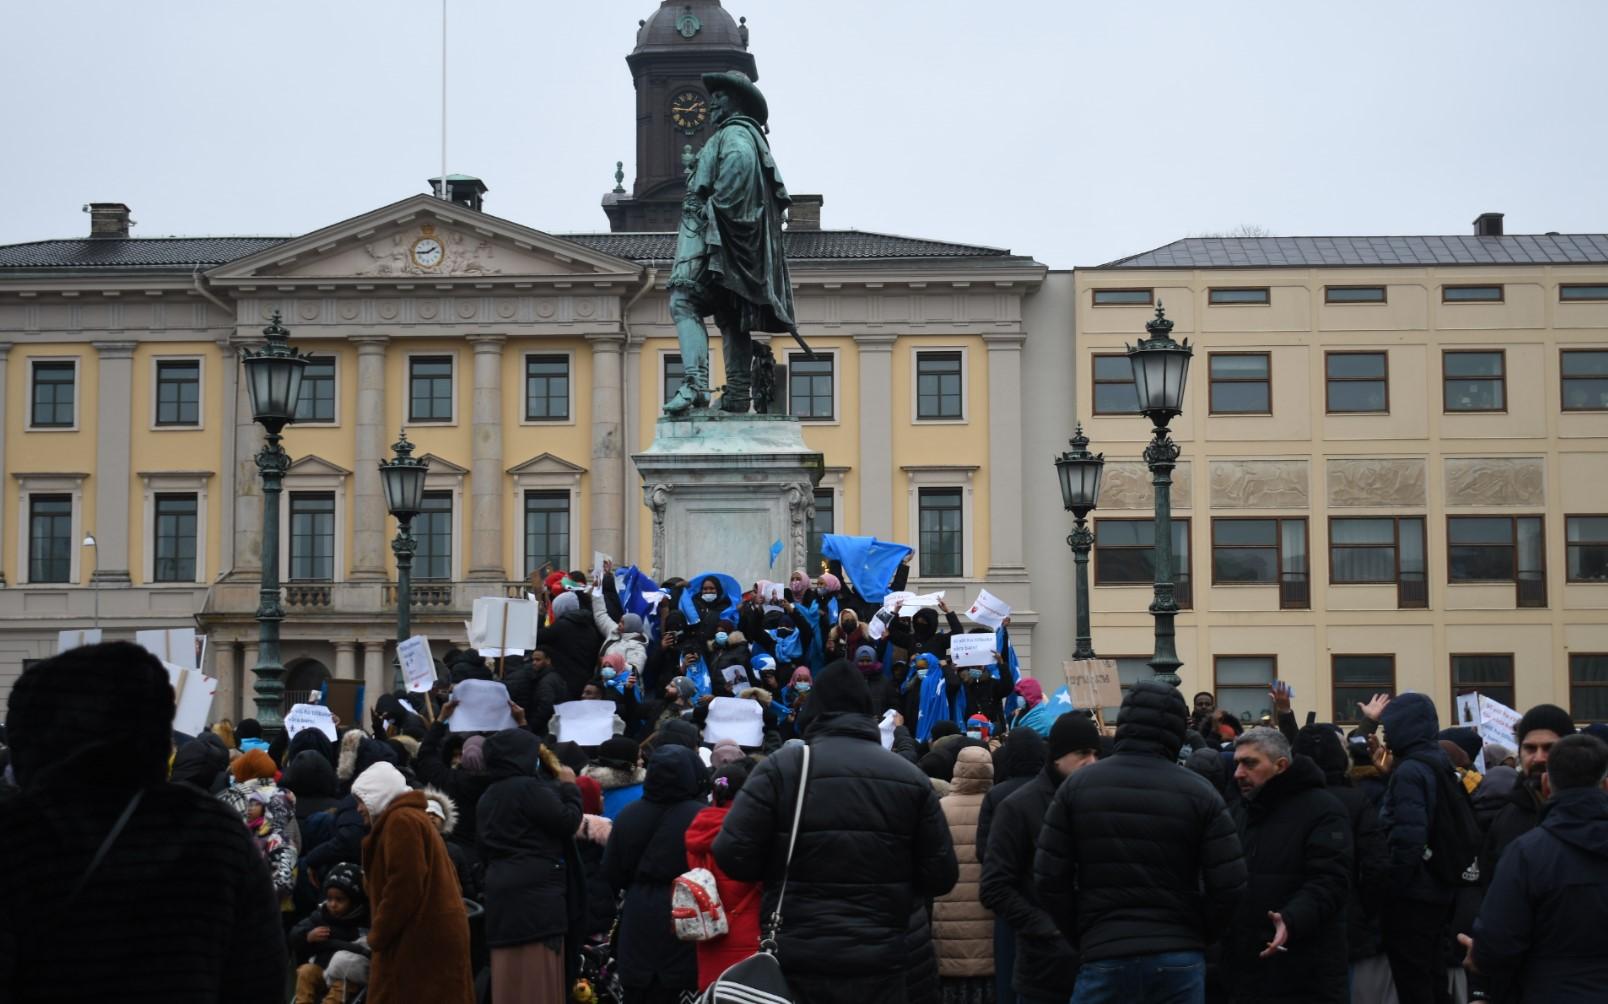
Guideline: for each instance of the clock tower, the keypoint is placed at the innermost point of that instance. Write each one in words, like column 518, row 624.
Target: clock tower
column 675, row 46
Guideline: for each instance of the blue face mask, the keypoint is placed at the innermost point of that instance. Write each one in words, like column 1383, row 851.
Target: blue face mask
column 803, row 688
column 608, row 673
column 921, row 674
column 720, row 637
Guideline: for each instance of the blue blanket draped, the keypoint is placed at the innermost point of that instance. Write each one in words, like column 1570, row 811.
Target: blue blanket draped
column 870, row 563
column 731, row 593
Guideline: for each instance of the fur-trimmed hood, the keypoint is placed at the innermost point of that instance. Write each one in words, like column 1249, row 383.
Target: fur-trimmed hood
column 449, row 808
column 346, row 761
column 610, row 778
column 759, row 694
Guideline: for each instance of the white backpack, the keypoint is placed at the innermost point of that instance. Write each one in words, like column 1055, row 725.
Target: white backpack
column 695, row 906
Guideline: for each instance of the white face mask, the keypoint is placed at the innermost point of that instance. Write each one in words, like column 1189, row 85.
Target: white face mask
column 974, row 735
column 921, row 674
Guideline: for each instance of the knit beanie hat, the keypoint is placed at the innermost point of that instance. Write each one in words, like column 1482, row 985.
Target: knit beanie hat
column 563, row 603
column 631, row 624
column 618, row 751
column 1466, row 740
column 591, row 795
column 379, row 786
column 348, row 878
column 248, row 729
column 1545, row 716
column 474, row 753
column 726, row 751
column 1073, row 733
column 252, row 765
column 1495, row 754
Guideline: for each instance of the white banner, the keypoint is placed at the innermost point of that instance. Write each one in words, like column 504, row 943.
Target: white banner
column 988, row 610
column 418, row 665
column 482, row 707
column 503, row 627
column 972, row 649
column 66, row 641
column 310, row 716
column 737, row 718
column 176, row 645
column 584, row 723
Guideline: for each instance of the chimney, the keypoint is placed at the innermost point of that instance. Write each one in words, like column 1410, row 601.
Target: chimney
column 108, row 219
column 805, row 212
column 1488, row 225
column 466, row 191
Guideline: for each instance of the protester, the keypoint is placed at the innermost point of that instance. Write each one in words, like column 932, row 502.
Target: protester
column 338, row 924
column 1537, row 732
column 872, row 845
column 180, row 903
column 1017, row 762
column 1036, row 712
column 419, row 930
column 739, row 900
column 590, row 841
column 571, row 642
column 269, row 815
column 1125, row 841
column 465, row 781
column 616, row 767
column 538, row 687
column 204, row 762
column 962, row 927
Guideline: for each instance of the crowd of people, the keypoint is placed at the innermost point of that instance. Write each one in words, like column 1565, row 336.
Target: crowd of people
column 906, row 830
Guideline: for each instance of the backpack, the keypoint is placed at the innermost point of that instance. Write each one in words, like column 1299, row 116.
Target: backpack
column 1452, row 853
column 695, row 907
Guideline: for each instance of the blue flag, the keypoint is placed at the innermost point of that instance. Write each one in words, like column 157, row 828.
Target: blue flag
column 776, row 552
column 870, row 563
column 635, row 585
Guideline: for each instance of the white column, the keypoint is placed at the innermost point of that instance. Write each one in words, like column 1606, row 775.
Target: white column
column 368, row 511
column 876, row 434
column 226, row 670
column 346, row 660
column 114, row 418
column 1006, row 516
column 376, row 678
column 607, row 486
column 5, row 349
column 486, row 464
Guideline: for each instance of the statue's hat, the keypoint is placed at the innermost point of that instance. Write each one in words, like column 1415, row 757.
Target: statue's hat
column 739, row 86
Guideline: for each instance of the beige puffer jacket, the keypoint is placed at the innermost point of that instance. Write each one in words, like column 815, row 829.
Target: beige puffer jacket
column 962, row 927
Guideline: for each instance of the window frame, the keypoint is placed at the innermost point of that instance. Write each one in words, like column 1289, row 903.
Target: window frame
column 1347, row 716
column 525, row 359
column 335, row 393
column 1095, row 383
column 157, row 483
column 451, row 512
column 666, row 392
column 1574, row 712
column 157, row 363
column 1447, row 409
column 552, row 494
column 916, row 356
column 335, row 534
column 1384, row 294
column 54, row 361
column 31, row 484
column 1511, row 545
column 195, row 500
column 1564, row 378
column 813, row 558
column 959, row 508
column 1582, row 285
column 1278, row 550
column 1217, row 685
column 1212, row 380
column 73, row 541
column 1500, row 297
column 1148, row 291
column 1511, row 687
column 1328, row 401
column 452, row 365
column 1568, row 545
column 831, row 356
column 1395, row 545
column 1182, row 575
column 1265, row 301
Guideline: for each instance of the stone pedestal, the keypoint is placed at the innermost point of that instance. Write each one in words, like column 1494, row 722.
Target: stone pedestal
column 724, row 488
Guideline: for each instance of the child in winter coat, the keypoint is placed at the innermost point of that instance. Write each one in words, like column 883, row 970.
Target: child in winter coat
column 740, row 900
column 335, row 927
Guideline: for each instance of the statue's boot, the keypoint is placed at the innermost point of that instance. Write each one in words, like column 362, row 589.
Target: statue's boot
column 738, row 348
column 694, row 341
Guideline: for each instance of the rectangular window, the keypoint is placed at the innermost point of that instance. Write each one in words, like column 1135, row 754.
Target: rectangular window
column 1499, row 549
column 1583, row 291
column 1114, row 392
column 1356, row 382
column 674, row 373
column 1241, row 383
column 1474, row 381
column 312, row 536
column 1587, row 540
column 1381, row 550
column 825, row 519
column 1353, row 294
column 432, row 528
column 1491, row 675
column 50, row 538
column 942, row 542
column 53, row 387
column 1270, row 551
column 809, row 386
column 1130, row 670
column 939, row 387
column 1125, row 555
column 178, row 392
column 547, row 530
column 1471, row 294
column 1588, row 686
column 430, row 389
column 1123, row 297
column 317, row 400
column 1585, row 379
column 1242, row 682
column 1355, row 679
column 547, row 397
column 1239, row 296
column 175, row 539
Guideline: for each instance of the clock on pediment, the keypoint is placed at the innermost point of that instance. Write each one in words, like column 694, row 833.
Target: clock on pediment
column 427, row 251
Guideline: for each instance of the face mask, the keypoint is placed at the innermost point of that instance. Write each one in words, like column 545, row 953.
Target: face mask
column 803, row 688
column 710, row 597
column 868, row 667
column 921, row 674
column 974, row 675
column 608, row 674
column 720, row 637
column 974, row 735
column 783, row 632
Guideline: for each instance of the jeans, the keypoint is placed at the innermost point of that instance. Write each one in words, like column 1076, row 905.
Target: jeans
column 1163, row 978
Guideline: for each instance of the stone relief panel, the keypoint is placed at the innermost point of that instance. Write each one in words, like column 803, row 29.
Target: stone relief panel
column 1489, row 481
column 459, row 254
column 1259, row 484
column 1125, row 484
column 1396, row 482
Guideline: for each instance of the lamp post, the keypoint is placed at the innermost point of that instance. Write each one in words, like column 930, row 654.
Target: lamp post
column 94, row 586
column 1160, row 368
column 403, row 478
column 273, row 376
column 1080, row 494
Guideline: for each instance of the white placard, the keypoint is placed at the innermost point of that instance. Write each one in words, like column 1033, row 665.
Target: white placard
column 1468, row 709
column 769, row 590
column 911, row 601
column 736, row 675
column 584, row 723
column 886, row 727
column 192, row 701
column 598, row 558
column 1499, row 723
column 482, row 707
column 66, row 641
column 175, row 645
column 988, row 610
column 503, row 627
column 972, row 649
column 418, row 665
column 737, row 718
column 310, row 716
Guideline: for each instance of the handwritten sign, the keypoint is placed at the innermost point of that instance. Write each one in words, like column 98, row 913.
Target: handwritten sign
column 418, row 665
column 503, row 626
column 988, row 610
column 1094, row 683
column 66, row 641
column 972, row 649
column 310, row 716
column 482, row 707
column 176, row 645
column 740, row 719
column 584, row 723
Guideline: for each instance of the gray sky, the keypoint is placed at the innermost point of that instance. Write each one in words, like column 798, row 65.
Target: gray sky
column 1074, row 132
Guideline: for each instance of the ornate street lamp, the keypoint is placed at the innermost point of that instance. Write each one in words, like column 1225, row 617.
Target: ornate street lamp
column 403, row 478
column 273, row 376
column 1160, row 369
column 1080, row 493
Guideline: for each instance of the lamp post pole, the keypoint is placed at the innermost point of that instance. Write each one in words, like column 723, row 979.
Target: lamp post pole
column 1080, row 493
column 403, row 476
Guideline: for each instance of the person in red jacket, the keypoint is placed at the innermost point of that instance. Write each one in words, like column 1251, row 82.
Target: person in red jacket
column 740, row 900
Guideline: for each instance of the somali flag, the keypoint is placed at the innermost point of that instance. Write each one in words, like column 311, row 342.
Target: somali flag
column 1002, row 643
column 698, row 673
column 870, row 563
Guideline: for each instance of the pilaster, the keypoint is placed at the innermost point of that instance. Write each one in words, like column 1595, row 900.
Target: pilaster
column 607, row 488
column 486, row 462
column 114, row 392
column 376, row 683
column 1006, row 516
column 226, row 670
column 368, row 511
column 876, row 434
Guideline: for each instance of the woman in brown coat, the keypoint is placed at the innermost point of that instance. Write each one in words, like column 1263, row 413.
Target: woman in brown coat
column 963, row 929
column 419, row 933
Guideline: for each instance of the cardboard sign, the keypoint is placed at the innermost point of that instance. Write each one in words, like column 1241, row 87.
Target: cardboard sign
column 1499, row 723
column 503, row 627
column 584, row 723
column 192, row 698
column 66, row 641
column 737, row 718
column 482, row 707
column 176, row 645
column 988, row 610
column 1094, row 683
column 418, row 665
column 973, row 649
column 310, row 716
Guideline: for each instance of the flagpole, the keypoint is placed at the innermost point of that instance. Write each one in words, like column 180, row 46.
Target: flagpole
column 443, row 191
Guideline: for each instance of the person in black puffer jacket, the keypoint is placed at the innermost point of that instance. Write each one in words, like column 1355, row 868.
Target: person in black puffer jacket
column 1139, row 862
column 873, row 846
column 1016, row 763
column 538, row 688
column 464, row 784
column 203, row 762
column 571, row 642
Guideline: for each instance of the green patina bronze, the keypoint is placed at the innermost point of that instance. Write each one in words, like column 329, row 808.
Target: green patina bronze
column 729, row 256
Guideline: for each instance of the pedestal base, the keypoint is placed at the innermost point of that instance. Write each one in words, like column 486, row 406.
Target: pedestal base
column 723, row 489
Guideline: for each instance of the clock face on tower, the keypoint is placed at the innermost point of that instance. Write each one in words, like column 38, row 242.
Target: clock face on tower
column 689, row 110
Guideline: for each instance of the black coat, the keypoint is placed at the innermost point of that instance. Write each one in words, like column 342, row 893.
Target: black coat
column 463, row 786
column 1297, row 840
column 873, row 845
column 538, row 692
column 343, row 935
column 345, row 844
column 527, row 823
column 1520, row 813
column 311, row 778
column 647, row 850
column 1139, row 855
column 1370, row 868
column 1046, row 965
column 1408, row 808
column 572, row 643
column 1019, row 760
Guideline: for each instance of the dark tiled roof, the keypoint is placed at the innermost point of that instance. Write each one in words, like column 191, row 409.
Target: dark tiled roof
column 132, row 252
column 802, row 245
column 1300, row 252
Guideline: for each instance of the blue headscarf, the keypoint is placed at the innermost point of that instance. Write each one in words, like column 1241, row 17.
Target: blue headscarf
column 790, row 648
column 731, row 592
column 936, row 705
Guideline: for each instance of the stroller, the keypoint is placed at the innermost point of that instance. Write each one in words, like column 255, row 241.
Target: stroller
column 479, row 955
column 598, row 982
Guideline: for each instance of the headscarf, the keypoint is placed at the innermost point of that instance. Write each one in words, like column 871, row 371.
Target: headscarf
column 379, row 786
column 563, row 603
column 830, row 583
column 473, row 756
column 1031, row 691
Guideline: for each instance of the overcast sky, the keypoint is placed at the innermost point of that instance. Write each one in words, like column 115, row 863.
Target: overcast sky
column 1075, row 132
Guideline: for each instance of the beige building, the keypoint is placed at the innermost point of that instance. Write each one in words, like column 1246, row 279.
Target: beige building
column 1395, row 455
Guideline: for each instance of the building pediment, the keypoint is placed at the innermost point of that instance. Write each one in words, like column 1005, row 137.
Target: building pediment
column 424, row 239
column 314, row 466
column 440, row 465
column 545, row 463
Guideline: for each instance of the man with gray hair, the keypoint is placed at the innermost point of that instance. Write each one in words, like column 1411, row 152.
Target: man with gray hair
column 1288, row 939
